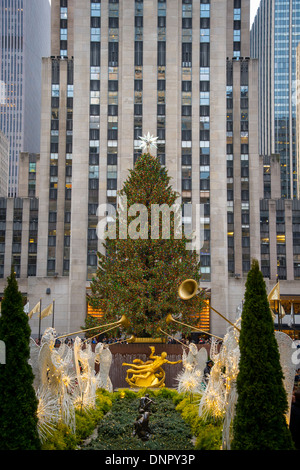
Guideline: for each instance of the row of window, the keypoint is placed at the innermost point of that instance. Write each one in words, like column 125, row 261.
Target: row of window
column 18, row 236
column 243, row 169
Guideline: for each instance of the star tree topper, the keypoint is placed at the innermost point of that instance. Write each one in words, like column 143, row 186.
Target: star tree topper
column 148, row 141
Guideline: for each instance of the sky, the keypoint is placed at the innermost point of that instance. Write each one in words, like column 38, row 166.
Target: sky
column 254, row 4
column 253, row 7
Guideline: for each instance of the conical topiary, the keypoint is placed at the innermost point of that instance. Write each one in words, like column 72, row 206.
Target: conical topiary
column 18, row 402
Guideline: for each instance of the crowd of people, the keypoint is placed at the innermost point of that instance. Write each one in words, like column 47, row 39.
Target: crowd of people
column 189, row 340
column 122, row 340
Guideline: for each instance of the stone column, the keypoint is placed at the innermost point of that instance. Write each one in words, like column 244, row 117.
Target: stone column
column 218, row 171
column 173, row 93
column 150, row 68
column 237, row 168
column 25, row 238
column 8, row 236
column 126, row 91
column 195, row 114
column 80, row 168
column 61, row 184
column 289, row 256
column 44, row 171
column 103, row 111
column 273, row 239
column 255, row 187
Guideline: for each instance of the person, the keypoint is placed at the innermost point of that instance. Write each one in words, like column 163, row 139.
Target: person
column 295, row 418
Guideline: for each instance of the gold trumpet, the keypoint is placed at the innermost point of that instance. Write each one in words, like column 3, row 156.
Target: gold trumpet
column 123, row 321
column 189, row 288
column 169, row 318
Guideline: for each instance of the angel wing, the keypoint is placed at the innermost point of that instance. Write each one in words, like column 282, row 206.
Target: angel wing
column 193, row 350
column 34, row 362
column 47, row 369
column 285, row 346
column 201, row 359
column 76, row 351
column 214, row 348
column 184, row 358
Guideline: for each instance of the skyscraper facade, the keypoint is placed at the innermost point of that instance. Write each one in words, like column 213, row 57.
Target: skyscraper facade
column 4, row 158
column 275, row 35
column 119, row 70
column 25, row 33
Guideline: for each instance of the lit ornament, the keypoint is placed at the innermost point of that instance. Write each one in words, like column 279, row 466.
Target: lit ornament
column 148, row 141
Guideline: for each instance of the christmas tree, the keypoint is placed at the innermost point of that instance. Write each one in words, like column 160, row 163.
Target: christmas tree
column 139, row 273
column 18, row 403
column 259, row 422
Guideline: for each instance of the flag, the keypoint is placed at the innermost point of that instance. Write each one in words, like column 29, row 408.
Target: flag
column 35, row 309
column 275, row 293
column 47, row 311
column 26, row 308
column 281, row 311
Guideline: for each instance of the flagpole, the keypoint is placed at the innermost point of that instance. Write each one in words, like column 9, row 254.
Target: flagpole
column 53, row 313
column 40, row 319
column 278, row 304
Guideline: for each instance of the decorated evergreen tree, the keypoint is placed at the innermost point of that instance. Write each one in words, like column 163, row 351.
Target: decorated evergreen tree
column 259, row 422
column 139, row 276
column 18, row 402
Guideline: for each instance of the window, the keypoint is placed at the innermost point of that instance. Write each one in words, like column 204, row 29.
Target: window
column 64, row 13
column 138, row 53
column 186, row 54
column 161, row 53
column 95, row 9
column 95, row 54
column 204, row 54
column 113, row 54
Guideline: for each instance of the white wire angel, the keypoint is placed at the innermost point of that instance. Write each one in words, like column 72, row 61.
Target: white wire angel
column 53, row 379
column 47, row 370
column 86, row 392
column 221, row 384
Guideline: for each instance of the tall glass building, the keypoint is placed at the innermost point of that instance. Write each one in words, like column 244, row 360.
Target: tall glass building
column 275, row 35
column 25, row 39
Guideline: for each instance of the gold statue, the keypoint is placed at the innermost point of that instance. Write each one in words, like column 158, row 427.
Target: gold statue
column 149, row 373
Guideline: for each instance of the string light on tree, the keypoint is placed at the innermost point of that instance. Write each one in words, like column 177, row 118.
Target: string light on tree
column 129, row 277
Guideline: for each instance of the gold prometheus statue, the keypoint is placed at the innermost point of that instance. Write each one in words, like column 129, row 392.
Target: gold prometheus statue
column 149, row 373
